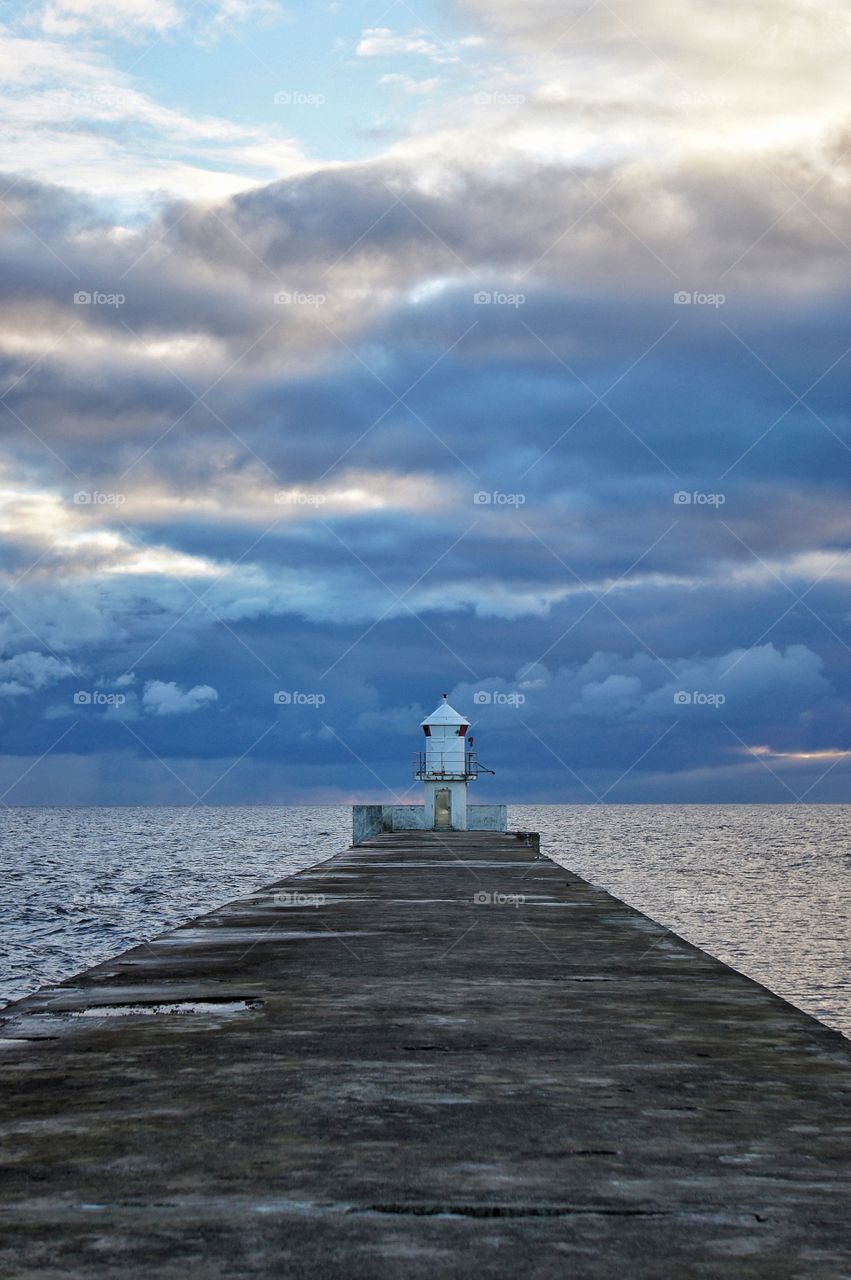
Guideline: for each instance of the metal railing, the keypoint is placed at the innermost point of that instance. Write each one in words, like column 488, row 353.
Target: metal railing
column 436, row 767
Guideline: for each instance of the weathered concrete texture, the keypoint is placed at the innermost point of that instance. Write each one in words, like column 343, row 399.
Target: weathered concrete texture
column 405, row 1082
column 369, row 820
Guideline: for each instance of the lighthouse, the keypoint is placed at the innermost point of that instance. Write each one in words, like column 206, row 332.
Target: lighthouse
column 446, row 766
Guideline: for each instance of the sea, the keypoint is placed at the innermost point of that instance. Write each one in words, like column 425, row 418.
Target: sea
column 766, row 889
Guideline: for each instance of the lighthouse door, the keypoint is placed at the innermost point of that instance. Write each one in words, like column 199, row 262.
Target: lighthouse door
column 442, row 810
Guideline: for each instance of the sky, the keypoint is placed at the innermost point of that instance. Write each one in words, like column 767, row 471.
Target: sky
column 355, row 353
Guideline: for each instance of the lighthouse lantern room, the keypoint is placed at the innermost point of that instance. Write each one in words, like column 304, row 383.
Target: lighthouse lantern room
column 446, row 766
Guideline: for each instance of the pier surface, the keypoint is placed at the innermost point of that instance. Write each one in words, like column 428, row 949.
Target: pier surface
column 435, row 1055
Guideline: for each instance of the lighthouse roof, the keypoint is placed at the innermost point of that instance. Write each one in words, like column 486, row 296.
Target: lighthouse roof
column 444, row 714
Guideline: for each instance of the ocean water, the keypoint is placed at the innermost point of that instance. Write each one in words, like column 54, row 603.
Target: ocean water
column 78, row 885
column 767, row 889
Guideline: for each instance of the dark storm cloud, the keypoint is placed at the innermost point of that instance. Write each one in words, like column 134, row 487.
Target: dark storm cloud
column 211, row 277
column 579, row 413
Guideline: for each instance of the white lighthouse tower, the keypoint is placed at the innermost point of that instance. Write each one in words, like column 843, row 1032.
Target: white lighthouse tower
column 446, row 767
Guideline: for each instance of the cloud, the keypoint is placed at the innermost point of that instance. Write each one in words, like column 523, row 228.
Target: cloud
column 125, row 18
column 764, row 683
column 166, row 698
column 771, row 36
column 133, row 19
column 724, row 78
column 28, row 672
column 384, row 42
column 378, row 486
column 414, row 88
column 70, row 116
column 225, row 14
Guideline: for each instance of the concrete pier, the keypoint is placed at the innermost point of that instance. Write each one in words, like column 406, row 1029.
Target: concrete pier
column 434, row 1055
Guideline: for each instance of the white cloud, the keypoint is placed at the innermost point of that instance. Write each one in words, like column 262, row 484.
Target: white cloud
column 80, row 538
column 384, row 42
column 132, row 19
column 410, row 86
column 81, row 121
column 128, row 18
column 722, row 77
column 228, row 12
column 765, row 681
column 166, row 698
column 27, row 672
